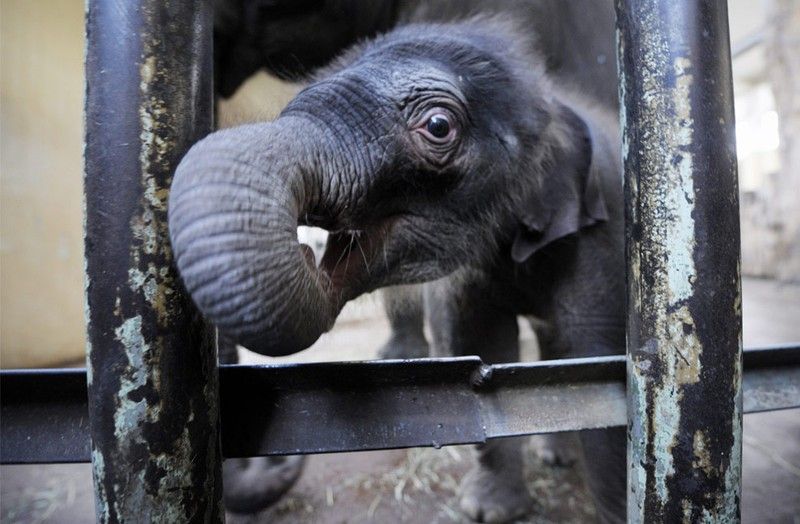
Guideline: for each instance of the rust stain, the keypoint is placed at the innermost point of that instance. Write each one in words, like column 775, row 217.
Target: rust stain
column 702, row 455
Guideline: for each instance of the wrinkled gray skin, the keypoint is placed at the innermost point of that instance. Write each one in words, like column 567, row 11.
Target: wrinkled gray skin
column 505, row 214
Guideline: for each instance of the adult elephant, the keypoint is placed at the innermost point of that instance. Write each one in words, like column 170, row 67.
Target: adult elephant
column 292, row 39
column 438, row 153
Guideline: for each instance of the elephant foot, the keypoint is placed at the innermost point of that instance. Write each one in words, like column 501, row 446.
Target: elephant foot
column 402, row 346
column 558, row 450
column 490, row 496
column 252, row 484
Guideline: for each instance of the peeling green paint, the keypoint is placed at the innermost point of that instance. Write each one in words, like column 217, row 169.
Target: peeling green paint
column 680, row 199
column 87, row 282
column 98, row 472
column 637, row 437
column 680, row 449
column 674, row 240
column 153, row 384
column 129, row 413
column 733, row 489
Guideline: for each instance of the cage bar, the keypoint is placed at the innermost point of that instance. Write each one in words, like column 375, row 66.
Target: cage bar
column 152, row 373
column 43, row 416
column 682, row 242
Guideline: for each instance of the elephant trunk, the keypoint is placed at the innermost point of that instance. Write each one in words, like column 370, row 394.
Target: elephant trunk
column 233, row 214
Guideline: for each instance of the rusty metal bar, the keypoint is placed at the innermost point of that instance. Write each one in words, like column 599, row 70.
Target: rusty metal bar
column 684, row 300
column 152, row 375
column 373, row 405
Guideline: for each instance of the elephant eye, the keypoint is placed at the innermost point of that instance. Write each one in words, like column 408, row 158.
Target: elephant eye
column 438, row 127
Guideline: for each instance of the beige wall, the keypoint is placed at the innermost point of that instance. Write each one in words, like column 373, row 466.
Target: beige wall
column 41, row 136
column 41, row 260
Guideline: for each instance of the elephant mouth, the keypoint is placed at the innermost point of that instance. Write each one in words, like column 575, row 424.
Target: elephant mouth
column 353, row 258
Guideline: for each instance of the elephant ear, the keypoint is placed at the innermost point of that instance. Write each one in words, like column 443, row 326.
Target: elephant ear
column 569, row 196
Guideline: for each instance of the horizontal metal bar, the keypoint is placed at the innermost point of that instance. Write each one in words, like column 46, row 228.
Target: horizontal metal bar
column 44, row 416
column 330, row 407
column 748, row 42
column 771, row 378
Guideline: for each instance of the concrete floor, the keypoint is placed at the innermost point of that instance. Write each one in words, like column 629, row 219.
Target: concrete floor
column 420, row 485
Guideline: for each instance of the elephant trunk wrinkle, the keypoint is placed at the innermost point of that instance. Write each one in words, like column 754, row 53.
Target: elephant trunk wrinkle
column 236, row 201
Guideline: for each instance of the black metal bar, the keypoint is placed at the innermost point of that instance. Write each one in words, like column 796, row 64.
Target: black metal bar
column 374, row 405
column 153, row 389
column 384, row 404
column 684, row 298
column 44, row 416
column 771, row 378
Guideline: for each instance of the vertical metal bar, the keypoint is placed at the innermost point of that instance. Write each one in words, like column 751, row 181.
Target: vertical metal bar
column 153, row 388
column 684, row 305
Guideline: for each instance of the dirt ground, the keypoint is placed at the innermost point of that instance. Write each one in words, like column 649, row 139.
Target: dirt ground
column 420, row 485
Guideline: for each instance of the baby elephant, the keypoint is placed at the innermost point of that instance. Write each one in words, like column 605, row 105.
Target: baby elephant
column 436, row 153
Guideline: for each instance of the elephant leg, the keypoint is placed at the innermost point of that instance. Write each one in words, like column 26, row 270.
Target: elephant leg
column 465, row 324
column 252, row 484
column 603, row 450
column 559, row 450
column 495, row 490
column 404, row 309
column 604, row 464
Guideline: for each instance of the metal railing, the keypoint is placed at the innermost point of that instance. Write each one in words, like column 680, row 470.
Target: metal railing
column 357, row 406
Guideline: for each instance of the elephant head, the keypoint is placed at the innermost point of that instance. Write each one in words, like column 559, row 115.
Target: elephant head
column 428, row 149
